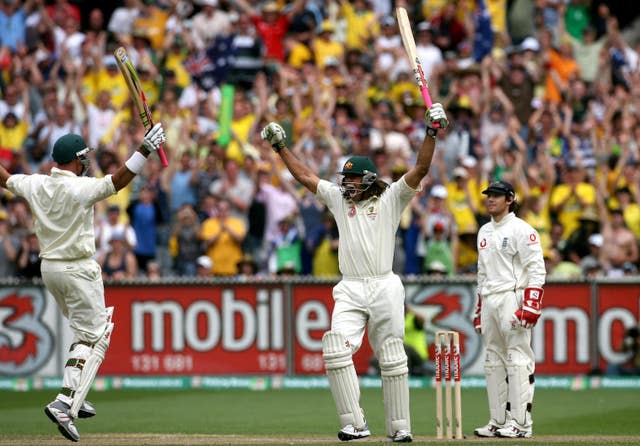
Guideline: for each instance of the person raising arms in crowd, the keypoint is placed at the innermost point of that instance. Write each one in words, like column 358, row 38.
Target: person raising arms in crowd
column 62, row 205
column 367, row 212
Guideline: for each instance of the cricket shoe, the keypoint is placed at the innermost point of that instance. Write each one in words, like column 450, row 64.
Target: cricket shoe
column 58, row 412
column 514, row 430
column 489, row 430
column 86, row 410
column 350, row 432
column 402, row 436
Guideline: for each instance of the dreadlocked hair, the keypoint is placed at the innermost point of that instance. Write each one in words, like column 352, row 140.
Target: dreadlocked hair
column 375, row 190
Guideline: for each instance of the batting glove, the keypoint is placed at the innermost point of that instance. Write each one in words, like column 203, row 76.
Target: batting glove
column 436, row 118
column 531, row 307
column 154, row 138
column 275, row 134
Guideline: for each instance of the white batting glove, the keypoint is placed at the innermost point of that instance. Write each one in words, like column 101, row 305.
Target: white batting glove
column 275, row 134
column 436, row 118
column 153, row 138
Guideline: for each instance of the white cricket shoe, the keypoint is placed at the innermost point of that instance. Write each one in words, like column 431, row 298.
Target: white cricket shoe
column 58, row 412
column 86, row 410
column 488, row 430
column 514, row 430
column 350, row 432
column 402, row 436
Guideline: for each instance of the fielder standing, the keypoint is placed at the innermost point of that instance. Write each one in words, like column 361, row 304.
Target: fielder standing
column 367, row 212
column 511, row 274
column 62, row 204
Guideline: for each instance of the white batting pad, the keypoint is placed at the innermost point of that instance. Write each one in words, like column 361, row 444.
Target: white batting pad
column 521, row 389
column 91, row 369
column 395, row 385
column 343, row 379
column 76, row 362
column 496, row 377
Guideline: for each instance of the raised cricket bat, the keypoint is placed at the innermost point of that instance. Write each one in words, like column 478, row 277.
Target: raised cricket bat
column 410, row 47
column 137, row 94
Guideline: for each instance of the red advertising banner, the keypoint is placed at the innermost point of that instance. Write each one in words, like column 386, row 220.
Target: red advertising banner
column 277, row 328
column 562, row 338
column 197, row 330
column 618, row 307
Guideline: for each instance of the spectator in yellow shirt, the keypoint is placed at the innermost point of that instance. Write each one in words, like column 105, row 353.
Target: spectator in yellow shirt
column 324, row 47
column 570, row 198
column 362, row 23
column 13, row 131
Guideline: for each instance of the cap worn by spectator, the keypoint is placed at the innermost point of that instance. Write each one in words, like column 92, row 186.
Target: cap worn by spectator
column 207, row 2
column 204, row 262
column 596, row 240
column 387, row 21
column 270, row 7
column 589, row 214
column 424, row 26
column 530, row 44
column 109, row 62
column 327, row 27
column 439, row 226
column 460, row 172
column 113, row 208
column 437, row 266
column 469, row 162
column 439, row 191
column 501, row 188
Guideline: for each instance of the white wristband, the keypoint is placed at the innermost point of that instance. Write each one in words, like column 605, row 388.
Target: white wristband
column 136, row 163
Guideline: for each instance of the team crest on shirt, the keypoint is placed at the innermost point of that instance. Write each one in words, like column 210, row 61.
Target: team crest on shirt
column 352, row 211
column 505, row 243
column 371, row 212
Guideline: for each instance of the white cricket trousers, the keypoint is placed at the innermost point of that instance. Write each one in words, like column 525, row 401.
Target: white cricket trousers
column 376, row 303
column 78, row 288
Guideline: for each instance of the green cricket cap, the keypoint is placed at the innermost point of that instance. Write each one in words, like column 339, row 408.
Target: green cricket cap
column 66, row 148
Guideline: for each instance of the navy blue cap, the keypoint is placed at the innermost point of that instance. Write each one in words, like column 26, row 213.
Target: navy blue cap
column 500, row 187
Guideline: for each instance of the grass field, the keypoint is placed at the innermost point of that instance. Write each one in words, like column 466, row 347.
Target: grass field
column 290, row 417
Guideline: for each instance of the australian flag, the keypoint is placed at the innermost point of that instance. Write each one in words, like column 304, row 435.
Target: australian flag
column 483, row 40
column 210, row 67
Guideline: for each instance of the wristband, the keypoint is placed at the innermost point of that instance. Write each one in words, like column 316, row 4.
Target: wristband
column 432, row 132
column 136, row 163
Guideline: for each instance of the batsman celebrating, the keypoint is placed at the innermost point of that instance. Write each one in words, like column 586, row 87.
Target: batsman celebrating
column 367, row 212
column 62, row 205
column 511, row 274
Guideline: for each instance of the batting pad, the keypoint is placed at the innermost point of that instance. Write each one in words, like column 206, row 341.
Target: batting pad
column 496, row 377
column 521, row 386
column 78, row 356
column 343, row 380
column 395, row 385
column 91, row 369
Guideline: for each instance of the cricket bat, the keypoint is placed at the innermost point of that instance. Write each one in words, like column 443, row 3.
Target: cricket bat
column 137, row 94
column 410, row 47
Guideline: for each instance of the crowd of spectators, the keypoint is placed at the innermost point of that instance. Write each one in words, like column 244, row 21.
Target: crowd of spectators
column 544, row 94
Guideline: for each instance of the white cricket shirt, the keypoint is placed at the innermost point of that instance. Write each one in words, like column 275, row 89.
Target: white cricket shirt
column 62, row 204
column 509, row 256
column 367, row 230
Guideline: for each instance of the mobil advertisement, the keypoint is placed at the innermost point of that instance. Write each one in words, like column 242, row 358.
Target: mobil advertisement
column 197, row 330
column 276, row 328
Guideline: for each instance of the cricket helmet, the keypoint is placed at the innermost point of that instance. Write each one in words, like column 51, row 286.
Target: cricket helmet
column 359, row 165
column 362, row 166
column 68, row 147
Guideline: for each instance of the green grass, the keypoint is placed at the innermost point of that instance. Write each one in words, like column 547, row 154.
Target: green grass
column 296, row 413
